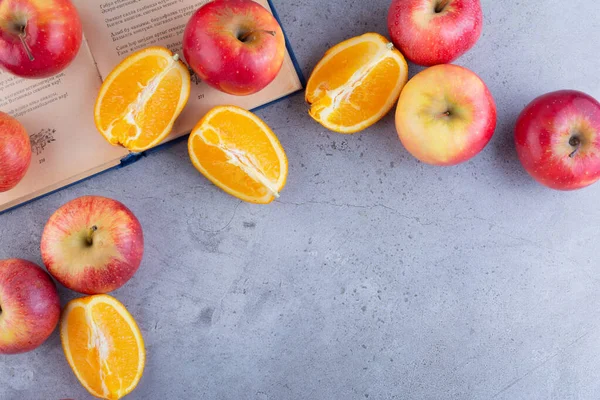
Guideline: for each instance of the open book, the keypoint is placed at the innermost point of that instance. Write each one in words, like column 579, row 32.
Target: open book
column 58, row 112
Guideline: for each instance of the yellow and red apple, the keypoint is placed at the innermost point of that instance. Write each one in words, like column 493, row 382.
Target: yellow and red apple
column 446, row 115
column 38, row 38
column 558, row 139
column 15, row 152
column 92, row 245
column 236, row 46
column 431, row 32
column 29, row 306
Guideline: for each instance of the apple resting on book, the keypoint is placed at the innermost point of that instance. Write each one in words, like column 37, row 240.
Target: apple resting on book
column 92, row 245
column 29, row 306
column 15, row 152
column 558, row 139
column 38, row 38
column 236, row 46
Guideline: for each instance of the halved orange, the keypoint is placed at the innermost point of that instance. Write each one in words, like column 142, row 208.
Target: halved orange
column 239, row 153
column 356, row 83
column 103, row 346
column 141, row 98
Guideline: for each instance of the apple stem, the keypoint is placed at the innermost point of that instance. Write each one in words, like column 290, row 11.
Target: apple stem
column 246, row 35
column 439, row 7
column 22, row 37
column 90, row 236
column 575, row 142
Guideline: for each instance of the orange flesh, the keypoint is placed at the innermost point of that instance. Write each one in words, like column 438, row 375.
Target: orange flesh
column 141, row 99
column 103, row 347
column 356, row 83
column 239, row 153
column 340, row 69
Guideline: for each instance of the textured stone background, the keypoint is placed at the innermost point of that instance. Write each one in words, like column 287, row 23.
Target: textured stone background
column 374, row 276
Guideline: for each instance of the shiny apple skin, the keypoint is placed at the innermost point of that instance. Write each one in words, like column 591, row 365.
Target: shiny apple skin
column 212, row 48
column 543, row 137
column 427, row 37
column 53, row 33
column 103, row 264
column 29, row 306
column 446, row 115
column 15, row 152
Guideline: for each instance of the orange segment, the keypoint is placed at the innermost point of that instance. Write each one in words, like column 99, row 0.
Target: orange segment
column 356, row 83
column 103, row 346
column 142, row 97
column 239, row 153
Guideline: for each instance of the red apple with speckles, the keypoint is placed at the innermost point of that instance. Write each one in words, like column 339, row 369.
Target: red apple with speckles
column 431, row 32
column 38, row 38
column 15, row 152
column 93, row 245
column 236, row 46
column 29, row 306
column 558, row 139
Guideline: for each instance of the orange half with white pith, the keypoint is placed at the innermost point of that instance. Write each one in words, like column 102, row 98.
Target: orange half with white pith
column 239, row 153
column 103, row 346
column 142, row 97
column 356, row 83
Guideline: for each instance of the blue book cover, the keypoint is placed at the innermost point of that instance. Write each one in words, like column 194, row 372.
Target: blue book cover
column 58, row 112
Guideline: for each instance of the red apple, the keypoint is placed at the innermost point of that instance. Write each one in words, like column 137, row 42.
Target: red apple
column 15, row 152
column 446, row 115
column 38, row 38
column 29, row 306
column 558, row 139
column 236, row 46
column 430, row 32
column 93, row 245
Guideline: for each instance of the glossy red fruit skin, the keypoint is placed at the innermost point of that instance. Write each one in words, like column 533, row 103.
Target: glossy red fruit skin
column 102, row 266
column 426, row 38
column 212, row 48
column 542, row 135
column 53, row 32
column 30, row 306
column 15, row 152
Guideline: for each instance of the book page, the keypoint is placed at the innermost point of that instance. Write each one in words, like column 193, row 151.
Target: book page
column 58, row 114
column 117, row 28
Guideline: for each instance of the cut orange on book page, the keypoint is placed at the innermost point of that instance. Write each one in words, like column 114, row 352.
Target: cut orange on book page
column 103, row 346
column 239, row 153
column 356, row 83
column 141, row 98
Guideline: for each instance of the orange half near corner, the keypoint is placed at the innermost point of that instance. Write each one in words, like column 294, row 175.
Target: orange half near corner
column 356, row 83
column 239, row 153
column 103, row 346
column 141, row 98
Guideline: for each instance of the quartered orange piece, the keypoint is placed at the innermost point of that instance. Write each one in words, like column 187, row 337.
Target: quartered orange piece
column 239, row 153
column 103, row 346
column 356, row 83
column 142, row 97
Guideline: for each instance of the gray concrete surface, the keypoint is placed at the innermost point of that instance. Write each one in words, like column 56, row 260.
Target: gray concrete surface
column 374, row 276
